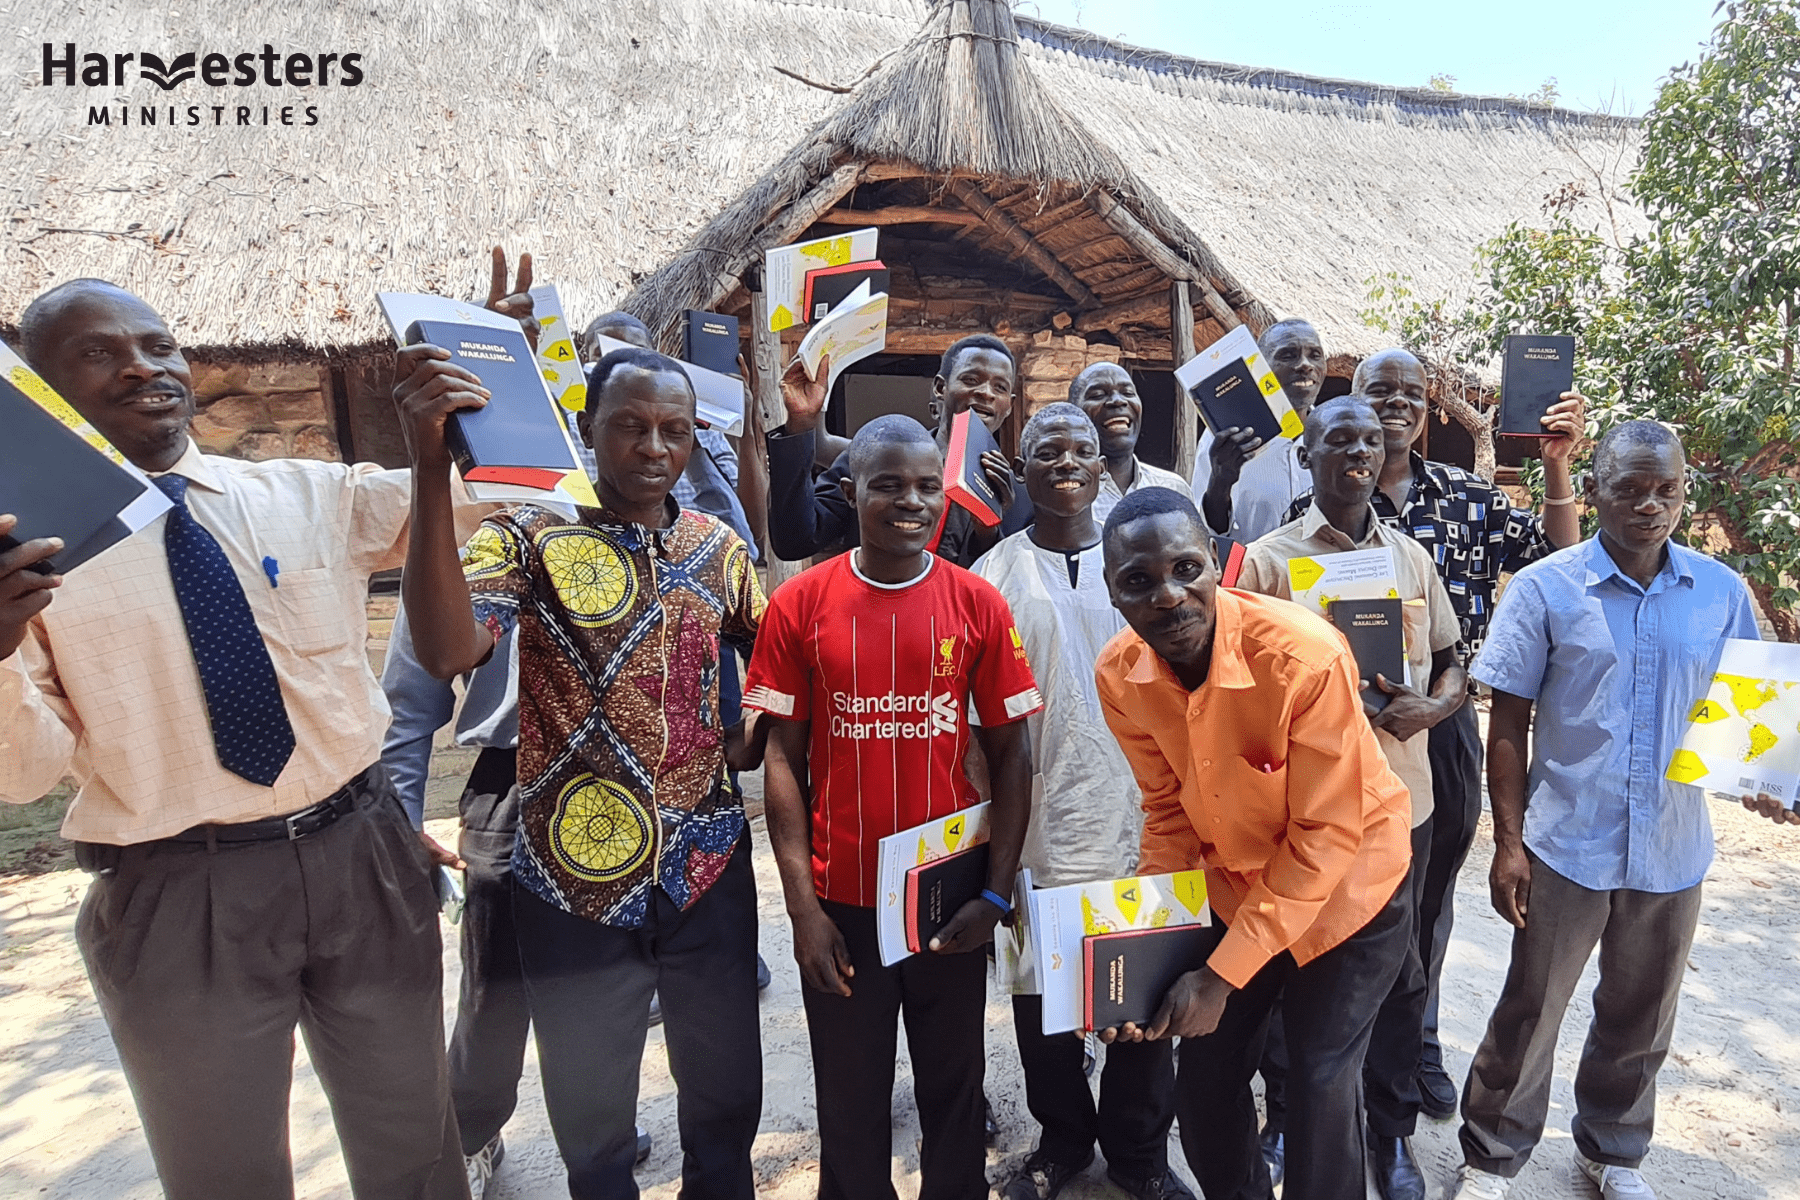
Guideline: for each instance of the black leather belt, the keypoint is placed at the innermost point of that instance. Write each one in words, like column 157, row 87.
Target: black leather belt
column 290, row 828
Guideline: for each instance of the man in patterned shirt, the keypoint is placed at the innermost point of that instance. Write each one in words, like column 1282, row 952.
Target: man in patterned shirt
column 632, row 869
column 1474, row 535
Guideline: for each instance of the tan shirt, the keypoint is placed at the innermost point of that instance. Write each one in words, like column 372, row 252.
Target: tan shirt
column 1426, row 615
column 105, row 685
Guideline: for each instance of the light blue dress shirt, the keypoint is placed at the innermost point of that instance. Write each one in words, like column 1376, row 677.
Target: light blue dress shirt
column 1614, row 669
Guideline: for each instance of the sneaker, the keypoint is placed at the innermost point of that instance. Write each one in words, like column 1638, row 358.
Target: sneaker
column 482, row 1164
column 643, row 1146
column 1167, row 1186
column 1615, row 1183
column 1475, row 1184
column 1042, row 1178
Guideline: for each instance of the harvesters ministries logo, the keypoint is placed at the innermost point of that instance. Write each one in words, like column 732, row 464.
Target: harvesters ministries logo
column 201, row 87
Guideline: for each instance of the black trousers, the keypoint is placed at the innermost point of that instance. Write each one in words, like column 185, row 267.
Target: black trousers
column 1137, row 1096
column 589, row 987
column 943, row 998
column 1329, row 1007
column 1455, row 750
column 205, row 962
column 493, row 1018
column 1391, row 1070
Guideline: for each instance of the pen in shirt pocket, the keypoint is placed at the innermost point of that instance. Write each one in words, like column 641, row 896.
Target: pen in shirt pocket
column 271, row 568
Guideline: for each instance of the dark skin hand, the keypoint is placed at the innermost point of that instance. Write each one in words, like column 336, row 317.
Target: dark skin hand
column 517, row 303
column 984, row 381
column 1191, row 1008
column 24, row 593
column 1007, row 749
column 1231, row 449
column 1509, row 878
column 819, row 947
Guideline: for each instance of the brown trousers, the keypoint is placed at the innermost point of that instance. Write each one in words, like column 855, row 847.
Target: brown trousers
column 1644, row 939
column 204, row 962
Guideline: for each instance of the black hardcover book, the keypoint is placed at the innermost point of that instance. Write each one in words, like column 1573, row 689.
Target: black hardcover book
column 1537, row 369
column 58, row 485
column 827, row 287
column 710, row 340
column 517, row 438
column 965, row 482
column 1127, row 974
column 935, row 890
column 1229, row 398
column 1377, row 637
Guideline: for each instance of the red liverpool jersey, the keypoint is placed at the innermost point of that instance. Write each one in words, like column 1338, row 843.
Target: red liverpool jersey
column 886, row 674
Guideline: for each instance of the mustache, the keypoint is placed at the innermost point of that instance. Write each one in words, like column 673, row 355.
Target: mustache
column 162, row 387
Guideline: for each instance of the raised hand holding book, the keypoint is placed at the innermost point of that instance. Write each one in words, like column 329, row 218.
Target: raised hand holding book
column 1233, row 387
column 846, row 335
column 1535, row 371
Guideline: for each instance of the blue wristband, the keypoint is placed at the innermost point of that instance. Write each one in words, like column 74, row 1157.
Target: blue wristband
column 998, row 901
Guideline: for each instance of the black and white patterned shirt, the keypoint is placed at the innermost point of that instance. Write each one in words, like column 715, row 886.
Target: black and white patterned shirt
column 1472, row 530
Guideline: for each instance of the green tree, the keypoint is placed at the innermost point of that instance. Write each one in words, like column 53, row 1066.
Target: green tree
column 1695, row 322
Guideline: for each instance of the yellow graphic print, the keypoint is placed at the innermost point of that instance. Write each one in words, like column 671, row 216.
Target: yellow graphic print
column 1747, row 694
column 1190, row 889
column 1686, row 767
column 592, row 577
column 28, row 382
column 1706, row 712
column 1127, row 896
column 600, row 833
column 946, row 656
column 1762, row 740
column 489, row 553
column 562, row 351
column 953, row 831
column 738, row 578
column 1304, row 572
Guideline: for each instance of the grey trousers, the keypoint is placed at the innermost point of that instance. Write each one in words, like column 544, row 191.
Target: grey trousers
column 1644, row 939
column 204, row 963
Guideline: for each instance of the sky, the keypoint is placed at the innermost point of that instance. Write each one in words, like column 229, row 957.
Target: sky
column 1604, row 54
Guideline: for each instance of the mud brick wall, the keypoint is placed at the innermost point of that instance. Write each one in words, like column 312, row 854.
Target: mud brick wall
column 265, row 410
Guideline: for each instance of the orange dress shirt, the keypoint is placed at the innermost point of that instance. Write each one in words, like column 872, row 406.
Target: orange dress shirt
column 1268, row 776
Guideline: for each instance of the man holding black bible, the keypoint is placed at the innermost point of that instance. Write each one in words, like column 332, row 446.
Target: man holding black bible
column 867, row 668
column 1342, row 449
column 1242, row 720
column 206, row 681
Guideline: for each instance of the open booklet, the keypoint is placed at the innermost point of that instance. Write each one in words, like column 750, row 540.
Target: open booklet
column 898, row 853
column 1233, row 387
column 1059, row 918
column 785, row 269
column 1743, row 736
column 61, row 477
column 847, row 334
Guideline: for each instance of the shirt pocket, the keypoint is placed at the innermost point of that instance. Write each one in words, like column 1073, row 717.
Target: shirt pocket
column 1247, row 808
column 310, row 613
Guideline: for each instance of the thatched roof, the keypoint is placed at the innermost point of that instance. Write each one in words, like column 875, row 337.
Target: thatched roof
column 607, row 137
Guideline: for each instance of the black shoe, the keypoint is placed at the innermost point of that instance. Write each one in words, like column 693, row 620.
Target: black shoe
column 1042, row 1178
column 1274, row 1152
column 990, row 1128
column 1437, row 1093
column 1167, row 1186
column 763, row 978
column 1397, row 1174
column 643, row 1146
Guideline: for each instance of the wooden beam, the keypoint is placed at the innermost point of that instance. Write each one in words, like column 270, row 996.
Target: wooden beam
column 977, row 202
column 786, row 227
column 1170, row 263
column 898, row 214
column 766, row 367
column 1150, row 308
column 1181, row 327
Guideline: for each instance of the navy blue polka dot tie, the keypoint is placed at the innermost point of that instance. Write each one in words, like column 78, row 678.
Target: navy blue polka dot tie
column 243, row 698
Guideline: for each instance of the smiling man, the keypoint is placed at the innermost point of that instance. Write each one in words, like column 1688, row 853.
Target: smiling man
column 1106, row 393
column 806, row 517
column 1597, row 655
column 631, row 873
column 206, row 682
column 1085, row 817
column 1241, row 718
column 1243, row 496
column 867, row 667
column 1343, row 451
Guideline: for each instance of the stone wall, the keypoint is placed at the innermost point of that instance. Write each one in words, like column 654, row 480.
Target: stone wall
column 265, row 410
column 1050, row 363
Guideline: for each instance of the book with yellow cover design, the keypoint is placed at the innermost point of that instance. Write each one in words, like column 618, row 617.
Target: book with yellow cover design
column 1059, row 918
column 900, row 852
column 1743, row 735
column 1231, row 384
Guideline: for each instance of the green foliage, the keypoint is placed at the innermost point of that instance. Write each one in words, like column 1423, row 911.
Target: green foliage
column 1546, row 93
column 1697, row 321
column 1441, row 82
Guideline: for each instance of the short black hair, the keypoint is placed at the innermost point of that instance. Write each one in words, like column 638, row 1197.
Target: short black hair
column 975, row 341
column 617, row 319
column 1150, row 502
column 894, row 429
column 1061, row 410
column 41, row 313
column 1316, row 418
column 1288, row 323
column 1626, row 434
column 631, row 356
column 1077, row 389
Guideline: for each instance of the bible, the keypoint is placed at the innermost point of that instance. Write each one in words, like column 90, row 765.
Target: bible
column 1130, row 972
column 1377, row 638
column 965, row 481
column 935, row 890
column 1536, row 370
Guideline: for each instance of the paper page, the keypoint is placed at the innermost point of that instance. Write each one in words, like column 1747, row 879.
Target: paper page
column 898, row 853
column 1241, row 343
column 785, row 268
column 1060, row 917
column 847, row 334
column 1352, row 575
column 1015, row 966
column 151, row 503
column 718, row 399
column 557, row 357
column 1743, row 737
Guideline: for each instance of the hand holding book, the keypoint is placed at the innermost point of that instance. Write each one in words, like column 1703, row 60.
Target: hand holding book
column 1192, row 1008
column 803, row 394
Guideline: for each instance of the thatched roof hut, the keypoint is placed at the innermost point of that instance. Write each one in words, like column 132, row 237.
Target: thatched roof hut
column 649, row 151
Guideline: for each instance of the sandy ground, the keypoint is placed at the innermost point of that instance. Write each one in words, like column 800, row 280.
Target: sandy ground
column 1728, row 1113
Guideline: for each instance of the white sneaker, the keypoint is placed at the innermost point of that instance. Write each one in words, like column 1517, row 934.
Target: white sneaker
column 1615, row 1183
column 480, row 1166
column 1475, row 1184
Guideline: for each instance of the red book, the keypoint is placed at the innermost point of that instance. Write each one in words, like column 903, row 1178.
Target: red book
column 827, row 287
column 1230, row 554
column 965, row 482
column 935, row 890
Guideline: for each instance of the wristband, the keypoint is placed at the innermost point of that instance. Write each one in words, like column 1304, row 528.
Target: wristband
column 998, row 901
column 1559, row 501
